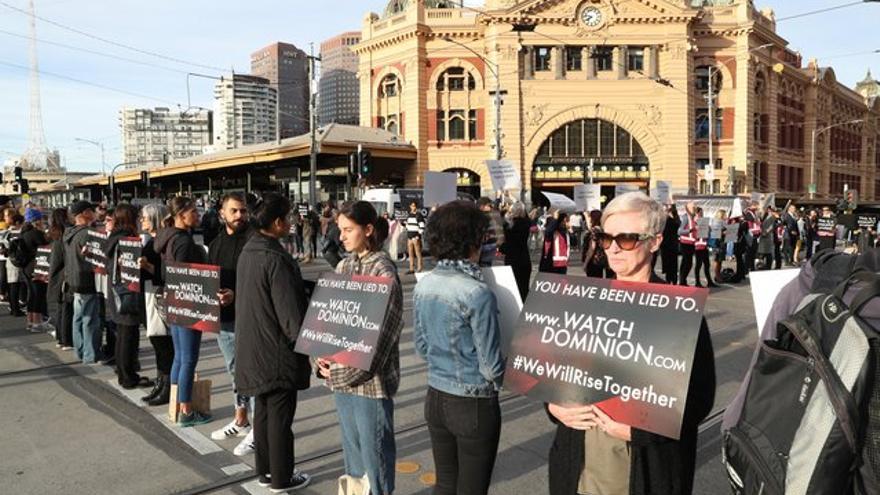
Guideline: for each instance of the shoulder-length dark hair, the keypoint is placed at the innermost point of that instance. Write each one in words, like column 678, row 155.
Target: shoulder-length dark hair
column 125, row 217
column 455, row 230
column 58, row 221
column 364, row 214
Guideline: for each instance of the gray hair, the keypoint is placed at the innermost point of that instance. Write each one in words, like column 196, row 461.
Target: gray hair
column 155, row 213
column 518, row 210
column 652, row 211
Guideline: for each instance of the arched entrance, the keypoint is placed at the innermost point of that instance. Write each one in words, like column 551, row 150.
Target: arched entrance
column 468, row 181
column 586, row 149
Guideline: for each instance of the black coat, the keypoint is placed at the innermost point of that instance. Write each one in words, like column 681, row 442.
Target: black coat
column 516, row 252
column 110, row 249
column 32, row 238
column 224, row 252
column 270, row 304
column 660, row 465
column 177, row 245
column 55, row 293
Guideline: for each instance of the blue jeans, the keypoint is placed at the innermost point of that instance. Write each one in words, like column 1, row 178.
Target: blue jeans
column 186, row 356
column 226, row 342
column 87, row 327
column 368, row 439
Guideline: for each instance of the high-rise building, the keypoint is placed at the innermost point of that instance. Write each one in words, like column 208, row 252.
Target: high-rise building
column 245, row 112
column 287, row 69
column 150, row 136
column 339, row 89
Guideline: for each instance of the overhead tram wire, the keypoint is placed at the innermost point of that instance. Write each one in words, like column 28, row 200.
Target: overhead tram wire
column 822, row 11
column 111, row 42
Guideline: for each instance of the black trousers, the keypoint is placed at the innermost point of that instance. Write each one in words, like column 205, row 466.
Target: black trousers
column 739, row 251
column 464, row 439
column 273, row 439
column 687, row 262
column 17, row 291
column 669, row 261
column 702, row 257
column 37, row 301
column 128, row 338
column 163, row 346
column 752, row 255
column 63, row 320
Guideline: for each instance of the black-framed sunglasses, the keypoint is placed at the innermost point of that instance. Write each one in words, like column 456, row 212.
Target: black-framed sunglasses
column 627, row 242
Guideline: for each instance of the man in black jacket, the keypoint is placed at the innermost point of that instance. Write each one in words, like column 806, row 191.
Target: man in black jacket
column 270, row 306
column 81, row 278
column 224, row 251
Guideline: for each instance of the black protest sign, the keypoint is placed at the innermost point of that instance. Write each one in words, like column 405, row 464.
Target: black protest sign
column 866, row 221
column 625, row 347
column 191, row 296
column 410, row 196
column 827, row 224
column 345, row 318
column 303, row 208
column 41, row 264
column 129, row 272
column 94, row 251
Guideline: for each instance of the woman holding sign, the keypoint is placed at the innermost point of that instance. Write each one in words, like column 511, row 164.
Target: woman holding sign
column 456, row 332
column 593, row 454
column 175, row 243
column 364, row 399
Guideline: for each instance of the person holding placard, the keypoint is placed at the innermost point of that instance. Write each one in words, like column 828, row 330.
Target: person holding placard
column 456, row 332
column 592, row 453
column 415, row 229
column 270, row 304
column 80, row 278
column 669, row 246
column 175, row 244
column 554, row 256
column 14, row 276
column 701, row 250
column 61, row 300
column 33, row 237
column 767, row 241
column 516, row 247
column 687, row 240
column 365, row 399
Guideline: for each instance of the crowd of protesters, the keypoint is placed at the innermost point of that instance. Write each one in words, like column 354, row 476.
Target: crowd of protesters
column 258, row 243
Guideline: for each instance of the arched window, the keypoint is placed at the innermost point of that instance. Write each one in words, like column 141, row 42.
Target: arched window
column 389, row 87
column 456, row 79
column 701, row 79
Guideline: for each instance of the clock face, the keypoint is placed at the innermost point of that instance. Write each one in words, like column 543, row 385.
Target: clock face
column 591, row 16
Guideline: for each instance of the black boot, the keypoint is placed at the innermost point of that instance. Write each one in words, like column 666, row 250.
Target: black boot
column 164, row 394
column 160, row 379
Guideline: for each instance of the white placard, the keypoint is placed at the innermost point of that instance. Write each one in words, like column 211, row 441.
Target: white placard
column 560, row 201
column 588, row 197
column 662, row 192
column 625, row 188
column 766, row 285
column 703, row 227
column 504, row 175
column 440, row 188
column 502, row 283
column 737, row 210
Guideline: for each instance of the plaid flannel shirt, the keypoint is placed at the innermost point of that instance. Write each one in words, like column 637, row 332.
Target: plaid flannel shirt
column 382, row 381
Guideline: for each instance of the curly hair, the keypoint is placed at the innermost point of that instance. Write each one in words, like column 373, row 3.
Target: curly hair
column 455, row 230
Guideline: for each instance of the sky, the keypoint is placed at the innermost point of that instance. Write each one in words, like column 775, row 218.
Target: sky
column 210, row 36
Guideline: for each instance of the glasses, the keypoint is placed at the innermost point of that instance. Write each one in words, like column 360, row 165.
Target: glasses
column 627, row 242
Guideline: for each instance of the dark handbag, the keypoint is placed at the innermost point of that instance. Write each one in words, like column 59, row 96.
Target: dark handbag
column 128, row 303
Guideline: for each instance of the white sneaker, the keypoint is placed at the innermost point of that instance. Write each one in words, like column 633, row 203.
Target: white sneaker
column 246, row 446
column 231, row 430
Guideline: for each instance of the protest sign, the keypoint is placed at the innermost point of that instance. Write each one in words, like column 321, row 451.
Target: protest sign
column 94, row 251
column 408, row 197
column 191, row 296
column 302, row 208
column 345, row 318
column 626, row 347
column 662, row 192
column 625, row 188
column 41, row 264
column 766, row 285
column 587, row 197
column 737, row 210
column 504, row 175
column 560, row 201
column 717, row 229
column 127, row 268
column 440, row 188
column 703, row 224
column 827, row 224
column 866, row 221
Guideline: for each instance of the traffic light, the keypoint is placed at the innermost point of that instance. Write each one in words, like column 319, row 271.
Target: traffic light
column 23, row 186
column 18, row 173
column 364, row 165
column 353, row 160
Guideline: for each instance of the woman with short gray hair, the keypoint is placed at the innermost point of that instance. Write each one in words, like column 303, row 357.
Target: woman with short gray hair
column 594, row 454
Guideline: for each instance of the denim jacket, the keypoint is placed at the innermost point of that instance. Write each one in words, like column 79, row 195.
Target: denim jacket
column 456, row 331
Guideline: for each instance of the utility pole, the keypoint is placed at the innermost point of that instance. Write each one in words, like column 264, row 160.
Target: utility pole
column 313, row 155
column 709, row 173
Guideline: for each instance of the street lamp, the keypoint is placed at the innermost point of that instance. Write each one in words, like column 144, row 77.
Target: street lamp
column 101, row 146
column 713, row 70
column 493, row 67
column 815, row 135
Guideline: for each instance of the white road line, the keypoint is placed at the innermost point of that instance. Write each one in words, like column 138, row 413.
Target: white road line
column 236, row 469
column 200, row 443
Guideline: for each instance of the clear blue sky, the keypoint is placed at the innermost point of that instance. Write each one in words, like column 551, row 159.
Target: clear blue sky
column 223, row 33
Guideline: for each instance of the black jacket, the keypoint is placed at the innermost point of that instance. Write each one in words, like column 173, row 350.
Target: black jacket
column 55, row 293
column 32, row 238
column 110, row 246
column 224, row 252
column 270, row 304
column 79, row 274
column 177, row 245
column 516, row 242
column 660, row 465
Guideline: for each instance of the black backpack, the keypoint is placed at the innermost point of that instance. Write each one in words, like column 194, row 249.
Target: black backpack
column 810, row 421
column 18, row 254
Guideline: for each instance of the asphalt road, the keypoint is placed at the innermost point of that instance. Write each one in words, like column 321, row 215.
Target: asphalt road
column 69, row 428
